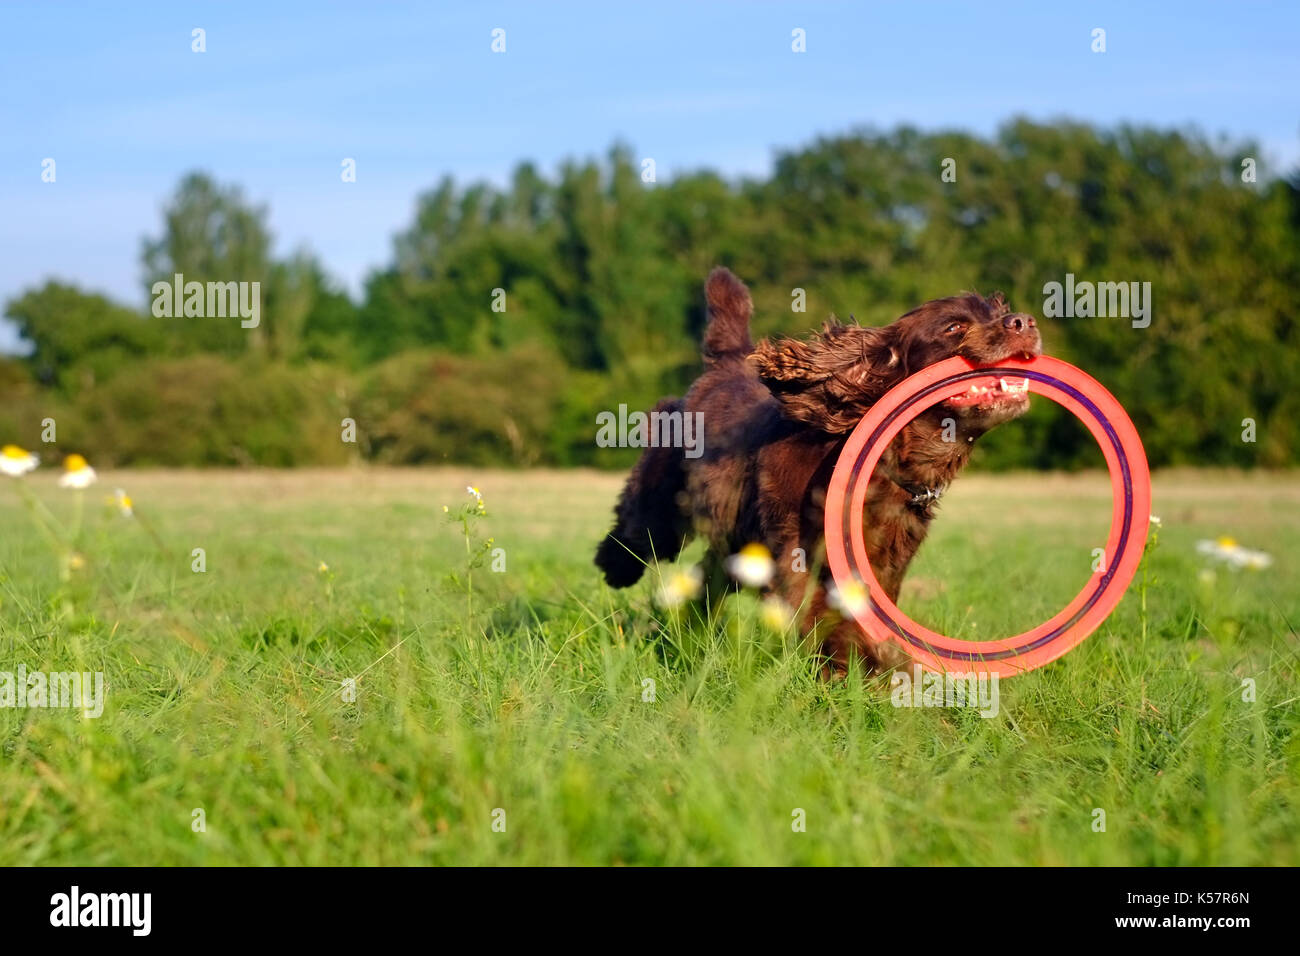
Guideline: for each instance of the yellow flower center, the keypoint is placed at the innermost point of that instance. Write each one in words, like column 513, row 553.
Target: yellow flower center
column 74, row 462
column 13, row 451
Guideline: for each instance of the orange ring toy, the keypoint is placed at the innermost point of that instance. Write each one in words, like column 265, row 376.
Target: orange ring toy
column 1130, row 479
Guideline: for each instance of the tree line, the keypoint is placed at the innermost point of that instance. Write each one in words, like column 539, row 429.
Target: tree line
column 510, row 316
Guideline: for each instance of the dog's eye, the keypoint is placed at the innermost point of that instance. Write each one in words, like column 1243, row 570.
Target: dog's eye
column 956, row 327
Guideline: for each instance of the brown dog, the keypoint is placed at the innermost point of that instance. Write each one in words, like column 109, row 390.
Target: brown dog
column 774, row 421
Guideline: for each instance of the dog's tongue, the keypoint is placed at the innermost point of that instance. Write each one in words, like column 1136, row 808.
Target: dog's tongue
column 988, row 389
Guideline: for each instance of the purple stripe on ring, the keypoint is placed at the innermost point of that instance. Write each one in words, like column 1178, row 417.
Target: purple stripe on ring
column 1106, row 578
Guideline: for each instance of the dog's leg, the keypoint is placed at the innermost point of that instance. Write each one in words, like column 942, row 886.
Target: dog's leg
column 840, row 640
column 650, row 524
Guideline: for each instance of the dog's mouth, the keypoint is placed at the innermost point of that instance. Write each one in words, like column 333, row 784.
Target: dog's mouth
column 991, row 392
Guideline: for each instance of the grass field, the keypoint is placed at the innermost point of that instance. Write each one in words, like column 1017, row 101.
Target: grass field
column 523, row 692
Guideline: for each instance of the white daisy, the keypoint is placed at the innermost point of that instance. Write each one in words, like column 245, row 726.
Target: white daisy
column 77, row 473
column 123, row 502
column 1253, row 560
column 1228, row 551
column 752, row 567
column 850, row 600
column 680, row 587
column 15, row 462
column 776, row 614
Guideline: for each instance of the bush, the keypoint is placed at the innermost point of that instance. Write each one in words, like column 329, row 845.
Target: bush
column 207, row 410
column 431, row 407
column 24, row 406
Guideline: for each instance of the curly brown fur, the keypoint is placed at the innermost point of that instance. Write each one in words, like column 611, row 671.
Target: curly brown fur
column 775, row 418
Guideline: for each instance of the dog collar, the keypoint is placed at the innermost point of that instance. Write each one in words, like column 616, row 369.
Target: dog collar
column 922, row 497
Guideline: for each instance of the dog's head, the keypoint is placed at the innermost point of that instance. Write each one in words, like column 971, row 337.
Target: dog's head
column 830, row 381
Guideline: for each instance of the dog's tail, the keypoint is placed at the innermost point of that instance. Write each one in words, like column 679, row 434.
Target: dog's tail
column 730, row 308
column 649, row 522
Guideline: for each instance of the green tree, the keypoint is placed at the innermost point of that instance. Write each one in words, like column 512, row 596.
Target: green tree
column 211, row 234
column 79, row 337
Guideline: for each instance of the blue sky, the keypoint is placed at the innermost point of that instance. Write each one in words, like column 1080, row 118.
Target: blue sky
column 286, row 90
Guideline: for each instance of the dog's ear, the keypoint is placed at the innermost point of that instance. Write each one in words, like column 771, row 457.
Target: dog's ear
column 830, row 381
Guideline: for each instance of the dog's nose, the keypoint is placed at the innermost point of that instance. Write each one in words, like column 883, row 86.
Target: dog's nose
column 1018, row 323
